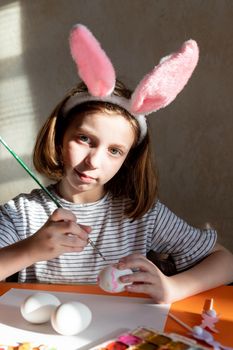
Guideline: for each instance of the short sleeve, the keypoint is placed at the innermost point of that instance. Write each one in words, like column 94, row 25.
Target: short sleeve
column 8, row 233
column 186, row 244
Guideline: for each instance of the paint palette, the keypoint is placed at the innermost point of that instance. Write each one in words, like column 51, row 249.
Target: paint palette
column 25, row 346
column 148, row 339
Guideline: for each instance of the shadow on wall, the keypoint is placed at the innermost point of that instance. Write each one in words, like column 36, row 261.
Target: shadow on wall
column 9, row 168
column 17, row 110
column 19, row 183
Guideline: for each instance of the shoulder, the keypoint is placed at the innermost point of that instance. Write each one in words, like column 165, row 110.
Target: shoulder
column 156, row 209
column 34, row 195
column 24, row 202
column 119, row 205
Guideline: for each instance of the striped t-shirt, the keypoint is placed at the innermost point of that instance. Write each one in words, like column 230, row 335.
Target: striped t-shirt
column 115, row 236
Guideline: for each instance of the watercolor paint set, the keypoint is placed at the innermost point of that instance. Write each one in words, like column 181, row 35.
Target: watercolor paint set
column 143, row 338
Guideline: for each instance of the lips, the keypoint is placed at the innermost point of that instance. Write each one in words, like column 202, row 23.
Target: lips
column 84, row 178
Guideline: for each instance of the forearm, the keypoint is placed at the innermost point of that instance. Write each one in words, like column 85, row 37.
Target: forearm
column 14, row 258
column 214, row 270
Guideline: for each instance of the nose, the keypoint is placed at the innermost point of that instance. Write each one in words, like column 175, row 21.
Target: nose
column 94, row 158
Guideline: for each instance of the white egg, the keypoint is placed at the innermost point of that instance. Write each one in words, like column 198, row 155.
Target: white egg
column 71, row 318
column 37, row 308
column 109, row 281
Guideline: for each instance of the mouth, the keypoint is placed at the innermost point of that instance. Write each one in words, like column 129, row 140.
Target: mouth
column 84, row 178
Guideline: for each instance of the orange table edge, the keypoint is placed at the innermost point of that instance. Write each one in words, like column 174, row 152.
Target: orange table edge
column 187, row 310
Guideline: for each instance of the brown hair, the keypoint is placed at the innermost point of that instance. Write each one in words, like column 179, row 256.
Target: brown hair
column 135, row 180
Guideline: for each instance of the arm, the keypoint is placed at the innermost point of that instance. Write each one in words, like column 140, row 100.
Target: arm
column 216, row 269
column 59, row 235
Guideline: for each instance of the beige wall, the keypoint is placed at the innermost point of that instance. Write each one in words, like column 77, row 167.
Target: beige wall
column 192, row 137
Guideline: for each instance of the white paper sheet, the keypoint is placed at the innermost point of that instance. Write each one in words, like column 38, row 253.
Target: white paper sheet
column 111, row 315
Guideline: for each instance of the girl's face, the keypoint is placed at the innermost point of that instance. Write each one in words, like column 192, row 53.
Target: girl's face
column 94, row 148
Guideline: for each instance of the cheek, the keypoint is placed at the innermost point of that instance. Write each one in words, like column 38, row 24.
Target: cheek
column 113, row 168
column 71, row 154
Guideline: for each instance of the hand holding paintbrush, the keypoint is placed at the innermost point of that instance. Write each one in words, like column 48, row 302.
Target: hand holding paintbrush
column 20, row 161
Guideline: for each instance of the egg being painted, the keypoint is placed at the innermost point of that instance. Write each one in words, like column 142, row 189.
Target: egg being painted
column 109, row 281
column 71, row 318
column 37, row 308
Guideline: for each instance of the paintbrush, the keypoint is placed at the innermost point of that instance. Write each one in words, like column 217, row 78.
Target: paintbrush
column 21, row 162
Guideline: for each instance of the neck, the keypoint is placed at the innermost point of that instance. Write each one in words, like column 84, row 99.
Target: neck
column 78, row 197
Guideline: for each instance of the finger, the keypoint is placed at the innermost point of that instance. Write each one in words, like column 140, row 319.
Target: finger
column 68, row 228
column 132, row 259
column 61, row 214
column 139, row 288
column 75, row 249
column 73, row 241
column 147, row 289
column 136, row 262
column 85, row 228
column 138, row 277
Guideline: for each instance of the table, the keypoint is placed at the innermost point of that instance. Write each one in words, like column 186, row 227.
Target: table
column 187, row 310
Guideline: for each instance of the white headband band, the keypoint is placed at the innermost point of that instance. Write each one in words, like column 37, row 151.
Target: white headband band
column 123, row 102
column 156, row 90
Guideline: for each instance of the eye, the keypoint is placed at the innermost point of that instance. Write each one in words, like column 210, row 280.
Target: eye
column 115, row 151
column 84, row 138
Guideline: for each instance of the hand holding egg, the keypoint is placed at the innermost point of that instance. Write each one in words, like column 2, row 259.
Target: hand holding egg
column 109, row 281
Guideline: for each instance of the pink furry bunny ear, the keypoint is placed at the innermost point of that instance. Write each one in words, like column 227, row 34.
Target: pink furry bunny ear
column 94, row 67
column 161, row 86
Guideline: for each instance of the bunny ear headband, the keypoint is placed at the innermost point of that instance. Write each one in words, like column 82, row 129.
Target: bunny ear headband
column 156, row 90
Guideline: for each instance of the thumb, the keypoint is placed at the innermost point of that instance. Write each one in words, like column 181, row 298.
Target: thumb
column 86, row 228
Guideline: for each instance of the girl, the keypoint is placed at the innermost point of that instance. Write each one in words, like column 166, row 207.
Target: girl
column 96, row 147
